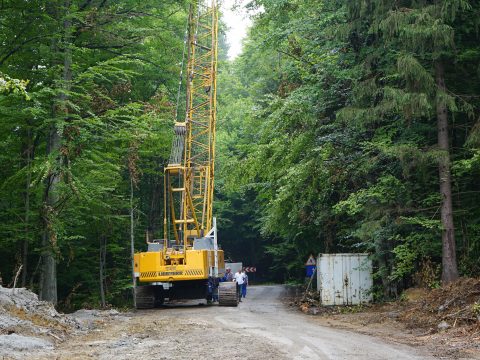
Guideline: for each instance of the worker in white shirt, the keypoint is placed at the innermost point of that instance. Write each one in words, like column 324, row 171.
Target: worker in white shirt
column 239, row 278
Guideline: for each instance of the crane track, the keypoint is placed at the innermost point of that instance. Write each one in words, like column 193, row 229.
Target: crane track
column 227, row 294
column 145, row 297
column 148, row 297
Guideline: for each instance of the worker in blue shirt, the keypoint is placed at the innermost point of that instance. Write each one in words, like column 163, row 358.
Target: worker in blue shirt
column 245, row 283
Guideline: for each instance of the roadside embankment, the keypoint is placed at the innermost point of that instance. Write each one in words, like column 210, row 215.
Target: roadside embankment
column 28, row 324
column 446, row 319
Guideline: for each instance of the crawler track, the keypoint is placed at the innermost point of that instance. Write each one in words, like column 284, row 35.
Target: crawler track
column 145, row 297
column 227, row 294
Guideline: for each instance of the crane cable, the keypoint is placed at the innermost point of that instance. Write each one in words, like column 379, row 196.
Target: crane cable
column 185, row 39
column 175, row 145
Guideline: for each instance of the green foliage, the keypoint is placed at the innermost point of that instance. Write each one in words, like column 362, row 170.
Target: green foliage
column 124, row 69
column 327, row 138
column 476, row 309
column 15, row 86
column 329, row 123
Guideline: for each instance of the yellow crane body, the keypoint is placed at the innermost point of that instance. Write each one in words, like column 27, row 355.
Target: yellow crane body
column 197, row 265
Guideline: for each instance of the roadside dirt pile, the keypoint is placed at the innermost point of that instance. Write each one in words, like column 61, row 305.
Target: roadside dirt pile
column 27, row 323
column 309, row 303
column 446, row 319
column 451, row 306
column 454, row 305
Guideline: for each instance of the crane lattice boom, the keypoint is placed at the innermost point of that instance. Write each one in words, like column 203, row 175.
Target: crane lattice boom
column 189, row 176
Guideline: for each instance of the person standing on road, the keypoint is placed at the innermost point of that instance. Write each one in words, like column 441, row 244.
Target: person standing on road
column 239, row 279
column 228, row 275
column 245, row 283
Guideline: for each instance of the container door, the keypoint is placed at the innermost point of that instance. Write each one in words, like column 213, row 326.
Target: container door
column 365, row 279
column 338, row 279
column 345, row 278
column 325, row 280
column 355, row 280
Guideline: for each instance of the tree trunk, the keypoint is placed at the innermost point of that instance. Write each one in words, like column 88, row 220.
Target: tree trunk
column 132, row 244
column 449, row 258
column 103, row 250
column 153, row 214
column 48, row 282
column 29, row 152
column 48, row 287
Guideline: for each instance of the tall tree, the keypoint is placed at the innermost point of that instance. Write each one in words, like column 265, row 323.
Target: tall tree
column 426, row 31
column 60, row 116
column 449, row 257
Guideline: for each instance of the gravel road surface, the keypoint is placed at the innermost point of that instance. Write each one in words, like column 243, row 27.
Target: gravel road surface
column 297, row 336
column 262, row 327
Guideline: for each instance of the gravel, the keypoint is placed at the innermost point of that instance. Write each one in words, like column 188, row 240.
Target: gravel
column 28, row 324
column 14, row 342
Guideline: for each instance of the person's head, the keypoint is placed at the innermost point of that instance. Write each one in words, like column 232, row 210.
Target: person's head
column 228, row 270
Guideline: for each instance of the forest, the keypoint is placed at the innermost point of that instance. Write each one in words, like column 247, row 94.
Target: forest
column 343, row 126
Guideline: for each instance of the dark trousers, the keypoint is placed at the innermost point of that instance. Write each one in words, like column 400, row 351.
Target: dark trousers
column 239, row 292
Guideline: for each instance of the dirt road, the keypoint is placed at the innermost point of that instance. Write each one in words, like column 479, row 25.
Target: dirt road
column 260, row 328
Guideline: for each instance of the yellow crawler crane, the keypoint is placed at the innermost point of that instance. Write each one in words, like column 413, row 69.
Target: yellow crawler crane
column 186, row 263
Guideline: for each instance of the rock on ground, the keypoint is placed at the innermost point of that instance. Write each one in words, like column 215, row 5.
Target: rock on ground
column 26, row 323
column 14, row 342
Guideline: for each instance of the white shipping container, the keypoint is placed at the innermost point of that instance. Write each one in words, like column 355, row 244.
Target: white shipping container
column 344, row 279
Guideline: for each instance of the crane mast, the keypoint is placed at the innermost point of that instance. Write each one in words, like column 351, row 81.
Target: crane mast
column 189, row 176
